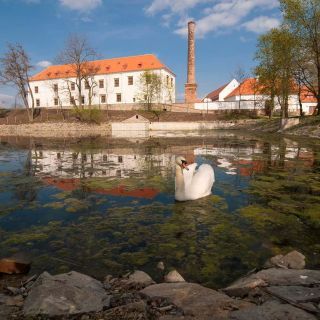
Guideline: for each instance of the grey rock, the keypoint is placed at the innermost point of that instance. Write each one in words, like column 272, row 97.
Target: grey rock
column 196, row 301
column 243, row 286
column 68, row 293
column 140, row 277
column 296, row 293
column 174, row 276
column 295, row 260
column 289, row 277
column 272, row 310
column 292, row 260
column 273, row 277
column 276, row 261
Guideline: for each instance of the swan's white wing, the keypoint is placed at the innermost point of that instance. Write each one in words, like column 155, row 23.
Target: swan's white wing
column 201, row 183
column 188, row 174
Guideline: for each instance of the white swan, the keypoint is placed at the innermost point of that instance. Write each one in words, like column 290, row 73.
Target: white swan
column 192, row 184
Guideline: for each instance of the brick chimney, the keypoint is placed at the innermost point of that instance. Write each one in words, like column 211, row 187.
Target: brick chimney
column 191, row 85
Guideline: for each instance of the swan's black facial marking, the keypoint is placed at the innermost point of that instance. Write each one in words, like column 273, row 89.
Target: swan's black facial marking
column 184, row 164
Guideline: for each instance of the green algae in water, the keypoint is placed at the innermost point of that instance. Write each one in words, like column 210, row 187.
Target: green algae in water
column 212, row 240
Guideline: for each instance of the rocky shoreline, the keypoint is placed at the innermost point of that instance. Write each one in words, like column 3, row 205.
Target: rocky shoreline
column 282, row 290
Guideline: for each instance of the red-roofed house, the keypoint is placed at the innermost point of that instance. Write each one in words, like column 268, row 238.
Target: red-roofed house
column 116, row 82
column 249, row 90
column 221, row 93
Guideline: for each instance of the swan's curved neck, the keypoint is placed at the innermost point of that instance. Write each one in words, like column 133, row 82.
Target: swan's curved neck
column 180, row 187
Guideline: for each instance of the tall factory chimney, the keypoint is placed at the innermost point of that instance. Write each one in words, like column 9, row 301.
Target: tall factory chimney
column 191, row 85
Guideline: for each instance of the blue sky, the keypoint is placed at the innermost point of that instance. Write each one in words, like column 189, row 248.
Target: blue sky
column 227, row 32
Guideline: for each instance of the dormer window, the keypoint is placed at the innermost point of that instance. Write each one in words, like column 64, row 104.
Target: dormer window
column 140, row 65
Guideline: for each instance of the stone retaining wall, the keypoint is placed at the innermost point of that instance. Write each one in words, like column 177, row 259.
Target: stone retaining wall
column 55, row 130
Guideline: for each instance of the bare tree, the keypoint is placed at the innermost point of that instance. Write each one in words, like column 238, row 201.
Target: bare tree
column 78, row 54
column 240, row 75
column 15, row 67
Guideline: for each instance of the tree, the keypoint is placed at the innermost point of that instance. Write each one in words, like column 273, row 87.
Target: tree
column 78, row 54
column 15, row 67
column 276, row 66
column 240, row 75
column 303, row 20
column 150, row 89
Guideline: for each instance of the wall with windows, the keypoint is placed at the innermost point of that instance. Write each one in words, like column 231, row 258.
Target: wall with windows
column 115, row 88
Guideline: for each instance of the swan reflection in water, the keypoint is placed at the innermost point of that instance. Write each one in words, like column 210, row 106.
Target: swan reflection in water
column 192, row 184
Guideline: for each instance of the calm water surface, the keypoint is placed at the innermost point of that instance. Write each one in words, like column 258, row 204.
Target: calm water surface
column 103, row 206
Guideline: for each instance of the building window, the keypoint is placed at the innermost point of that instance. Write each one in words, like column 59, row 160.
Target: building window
column 36, row 89
column 38, row 102
column 72, row 101
column 86, row 85
column 56, row 101
column 118, row 97
column 103, row 98
column 73, row 86
column 171, row 82
column 167, row 80
column 116, row 82
column 145, row 97
column 101, row 84
column 130, row 80
column 82, row 99
column 55, row 87
column 134, row 99
column 120, row 159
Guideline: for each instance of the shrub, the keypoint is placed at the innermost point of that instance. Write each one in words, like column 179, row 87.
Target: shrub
column 89, row 115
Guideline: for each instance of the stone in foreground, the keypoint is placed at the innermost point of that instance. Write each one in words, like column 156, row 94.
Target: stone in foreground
column 273, row 277
column 297, row 294
column 140, row 277
column 174, row 276
column 292, row 260
column 196, row 301
column 68, row 293
column 272, row 310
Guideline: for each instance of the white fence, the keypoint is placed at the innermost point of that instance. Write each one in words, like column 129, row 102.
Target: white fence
column 230, row 105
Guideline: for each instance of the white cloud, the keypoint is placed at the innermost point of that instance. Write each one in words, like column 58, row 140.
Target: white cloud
column 43, row 64
column 261, row 24
column 81, row 5
column 217, row 15
column 176, row 6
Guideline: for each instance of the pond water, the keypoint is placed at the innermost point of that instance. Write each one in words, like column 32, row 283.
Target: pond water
column 105, row 206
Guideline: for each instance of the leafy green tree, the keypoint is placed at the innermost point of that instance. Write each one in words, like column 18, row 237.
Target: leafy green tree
column 302, row 17
column 150, row 88
column 276, row 66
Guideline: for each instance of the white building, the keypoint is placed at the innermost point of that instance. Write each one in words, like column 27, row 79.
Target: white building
column 247, row 95
column 221, row 93
column 249, row 90
column 112, row 81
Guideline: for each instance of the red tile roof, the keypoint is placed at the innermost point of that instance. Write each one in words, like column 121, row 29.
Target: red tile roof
column 247, row 87
column 116, row 65
column 70, row 184
column 307, row 96
column 214, row 95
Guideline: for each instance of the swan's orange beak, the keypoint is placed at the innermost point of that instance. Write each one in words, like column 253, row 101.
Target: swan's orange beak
column 184, row 165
